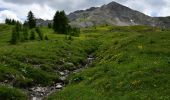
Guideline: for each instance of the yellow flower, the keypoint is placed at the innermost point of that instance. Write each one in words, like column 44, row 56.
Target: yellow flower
column 140, row 47
column 136, row 82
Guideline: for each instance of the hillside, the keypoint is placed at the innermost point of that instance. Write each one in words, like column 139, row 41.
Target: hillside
column 130, row 63
column 36, row 64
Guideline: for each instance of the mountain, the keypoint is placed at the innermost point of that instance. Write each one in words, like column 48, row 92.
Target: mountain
column 41, row 22
column 114, row 14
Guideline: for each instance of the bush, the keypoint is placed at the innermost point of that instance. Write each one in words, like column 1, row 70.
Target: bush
column 15, row 37
column 25, row 33
column 75, row 32
column 40, row 34
column 32, row 35
column 46, row 37
column 9, row 93
column 49, row 25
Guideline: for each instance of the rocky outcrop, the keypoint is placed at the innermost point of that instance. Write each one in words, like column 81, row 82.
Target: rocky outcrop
column 41, row 22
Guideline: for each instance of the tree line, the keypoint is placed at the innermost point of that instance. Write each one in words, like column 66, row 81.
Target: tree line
column 21, row 32
column 10, row 21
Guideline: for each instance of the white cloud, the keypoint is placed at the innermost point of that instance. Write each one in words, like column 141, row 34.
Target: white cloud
column 7, row 14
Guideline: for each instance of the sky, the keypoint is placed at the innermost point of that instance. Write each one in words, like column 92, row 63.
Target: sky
column 45, row 9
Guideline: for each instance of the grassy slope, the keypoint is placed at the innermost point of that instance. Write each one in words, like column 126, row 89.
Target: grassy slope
column 132, row 63
column 35, row 62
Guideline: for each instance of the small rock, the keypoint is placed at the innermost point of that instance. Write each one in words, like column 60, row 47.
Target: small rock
column 6, row 81
column 34, row 98
column 62, row 73
column 38, row 89
column 66, row 72
column 59, row 86
column 41, row 94
column 63, row 78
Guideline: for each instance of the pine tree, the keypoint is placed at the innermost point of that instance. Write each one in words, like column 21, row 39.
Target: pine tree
column 15, row 37
column 31, row 20
column 10, row 21
column 60, row 22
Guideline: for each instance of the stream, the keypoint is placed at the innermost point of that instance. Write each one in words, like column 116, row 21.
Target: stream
column 39, row 93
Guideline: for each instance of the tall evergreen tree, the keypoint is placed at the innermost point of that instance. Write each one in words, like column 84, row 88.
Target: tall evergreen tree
column 15, row 37
column 31, row 20
column 60, row 22
column 10, row 21
column 40, row 34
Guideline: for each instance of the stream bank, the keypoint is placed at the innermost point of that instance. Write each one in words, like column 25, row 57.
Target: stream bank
column 39, row 93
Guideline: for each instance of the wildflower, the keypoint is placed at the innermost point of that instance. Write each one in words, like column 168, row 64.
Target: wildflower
column 140, row 47
column 136, row 82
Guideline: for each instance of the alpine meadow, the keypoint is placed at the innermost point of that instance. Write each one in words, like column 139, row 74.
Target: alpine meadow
column 111, row 52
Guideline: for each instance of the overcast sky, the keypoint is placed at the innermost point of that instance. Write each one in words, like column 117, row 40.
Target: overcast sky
column 45, row 9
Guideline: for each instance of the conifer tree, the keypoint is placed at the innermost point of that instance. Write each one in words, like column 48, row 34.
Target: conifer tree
column 60, row 22
column 15, row 37
column 31, row 20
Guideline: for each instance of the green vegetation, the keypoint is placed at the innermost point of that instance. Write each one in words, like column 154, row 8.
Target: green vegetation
column 10, row 93
column 60, row 22
column 132, row 63
column 40, row 34
column 31, row 20
column 34, row 63
column 61, row 26
column 10, row 21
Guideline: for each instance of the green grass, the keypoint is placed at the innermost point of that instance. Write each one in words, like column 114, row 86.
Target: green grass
column 36, row 62
column 10, row 93
column 132, row 63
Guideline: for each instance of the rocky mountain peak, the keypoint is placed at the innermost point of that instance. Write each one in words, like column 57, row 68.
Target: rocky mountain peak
column 113, row 14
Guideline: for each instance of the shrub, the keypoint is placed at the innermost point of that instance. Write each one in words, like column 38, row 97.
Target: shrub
column 32, row 35
column 75, row 32
column 15, row 37
column 9, row 93
column 46, row 37
column 25, row 33
column 49, row 25
column 40, row 34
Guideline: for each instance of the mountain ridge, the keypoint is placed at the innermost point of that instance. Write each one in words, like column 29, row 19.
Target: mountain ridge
column 113, row 14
